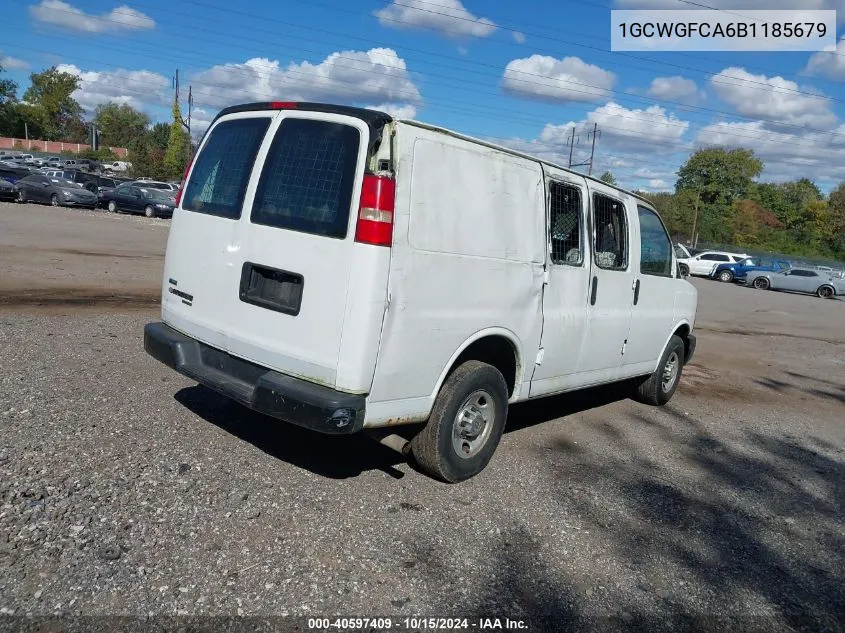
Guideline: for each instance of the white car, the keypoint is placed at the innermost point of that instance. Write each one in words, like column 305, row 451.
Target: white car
column 340, row 270
column 703, row 263
column 118, row 165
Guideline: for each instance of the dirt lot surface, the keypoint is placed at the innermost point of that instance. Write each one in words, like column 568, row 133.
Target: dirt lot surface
column 128, row 489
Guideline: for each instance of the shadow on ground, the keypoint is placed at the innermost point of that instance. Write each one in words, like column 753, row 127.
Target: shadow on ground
column 735, row 533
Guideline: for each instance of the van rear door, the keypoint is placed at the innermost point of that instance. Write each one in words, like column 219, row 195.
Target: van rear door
column 200, row 284
column 270, row 270
column 297, row 246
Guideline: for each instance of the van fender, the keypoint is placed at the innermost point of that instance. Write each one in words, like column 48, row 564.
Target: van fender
column 679, row 324
column 492, row 331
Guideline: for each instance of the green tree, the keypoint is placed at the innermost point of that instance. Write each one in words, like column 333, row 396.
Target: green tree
column 718, row 177
column 159, row 135
column 178, row 145
column 608, row 177
column 59, row 115
column 8, row 103
column 120, row 125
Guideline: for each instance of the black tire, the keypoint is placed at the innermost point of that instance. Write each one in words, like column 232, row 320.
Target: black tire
column 54, row 200
column 112, row 206
column 434, row 448
column 21, row 197
column 684, row 270
column 656, row 390
column 826, row 292
column 149, row 212
column 761, row 283
column 726, row 276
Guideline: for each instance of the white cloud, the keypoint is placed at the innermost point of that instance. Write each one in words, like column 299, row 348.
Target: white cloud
column 62, row 14
column 672, row 88
column 831, row 65
column 12, row 63
column 733, row 5
column 132, row 87
column 773, row 98
column 200, row 120
column 787, row 154
column 625, row 129
column 550, row 79
column 518, row 37
column 448, row 17
column 657, row 184
column 397, row 111
column 378, row 75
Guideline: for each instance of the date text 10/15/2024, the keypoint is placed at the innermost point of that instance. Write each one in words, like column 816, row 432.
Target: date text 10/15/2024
column 416, row 624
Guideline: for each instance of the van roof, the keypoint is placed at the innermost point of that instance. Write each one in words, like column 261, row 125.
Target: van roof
column 376, row 120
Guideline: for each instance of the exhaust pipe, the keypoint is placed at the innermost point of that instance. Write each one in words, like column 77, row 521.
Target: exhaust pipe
column 396, row 442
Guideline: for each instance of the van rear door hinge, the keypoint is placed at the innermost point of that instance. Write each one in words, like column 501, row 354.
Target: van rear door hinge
column 540, row 354
column 624, row 343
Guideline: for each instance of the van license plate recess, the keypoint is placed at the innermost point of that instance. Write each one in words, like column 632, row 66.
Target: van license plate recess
column 271, row 288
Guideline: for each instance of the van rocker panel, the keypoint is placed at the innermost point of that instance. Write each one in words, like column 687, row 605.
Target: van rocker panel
column 285, row 398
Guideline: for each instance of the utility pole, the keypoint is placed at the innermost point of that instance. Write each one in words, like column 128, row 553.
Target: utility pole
column 571, row 144
column 186, row 123
column 595, row 133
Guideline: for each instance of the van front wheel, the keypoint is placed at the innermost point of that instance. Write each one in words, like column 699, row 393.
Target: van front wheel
column 660, row 386
column 465, row 425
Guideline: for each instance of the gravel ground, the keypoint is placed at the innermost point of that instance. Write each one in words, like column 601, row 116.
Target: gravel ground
column 126, row 489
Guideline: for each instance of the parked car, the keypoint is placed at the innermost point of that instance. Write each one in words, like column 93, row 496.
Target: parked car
column 117, row 165
column 737, row 271
column 7, row 191
column 703, row 263
column 155, row 184
column 55, row 191
column 804, row 280
column 53, row 161
column 132, row 197
column 13, row 173
column 340, row 299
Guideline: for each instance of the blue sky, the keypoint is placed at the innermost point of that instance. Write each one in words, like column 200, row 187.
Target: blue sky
column 524, row 73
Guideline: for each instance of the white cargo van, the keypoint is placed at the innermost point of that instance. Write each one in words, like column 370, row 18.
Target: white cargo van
column 341, row 270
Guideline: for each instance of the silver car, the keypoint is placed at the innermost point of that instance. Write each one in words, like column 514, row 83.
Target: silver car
column 807, row 280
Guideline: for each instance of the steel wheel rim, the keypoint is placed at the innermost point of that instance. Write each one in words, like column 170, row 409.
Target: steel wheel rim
column 473, row 424
column 670, row 372
column 725, row 276
column 54, row 200
column 149, row 212
column 112, row 206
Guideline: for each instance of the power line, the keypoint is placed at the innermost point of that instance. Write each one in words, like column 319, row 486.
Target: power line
column 510, row 117
column 764, row 86
column 589, row 93
column 663, row 139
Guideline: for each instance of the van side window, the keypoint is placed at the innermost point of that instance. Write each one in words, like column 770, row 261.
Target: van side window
column 221, row 173
column 611, row 233
column 307, row 181
column 565, row 211
column 655, row 245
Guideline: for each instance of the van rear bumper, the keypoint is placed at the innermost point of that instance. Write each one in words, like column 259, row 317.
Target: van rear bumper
column 269, row 392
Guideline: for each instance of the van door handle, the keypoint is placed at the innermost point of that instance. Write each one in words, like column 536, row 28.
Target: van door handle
column 593, row 290
column 636, row 292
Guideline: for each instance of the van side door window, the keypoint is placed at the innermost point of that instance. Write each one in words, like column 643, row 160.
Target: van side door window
column 566, row 224
column 611, row 233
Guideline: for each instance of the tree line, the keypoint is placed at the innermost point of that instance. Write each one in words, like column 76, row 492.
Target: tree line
column 47, row 111
column 717, row 199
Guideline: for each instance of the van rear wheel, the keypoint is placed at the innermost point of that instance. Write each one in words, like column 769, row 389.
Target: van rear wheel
column 465, row 425
column 660, row 386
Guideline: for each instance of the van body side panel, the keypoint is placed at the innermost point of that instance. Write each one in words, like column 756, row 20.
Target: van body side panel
column 468, row 255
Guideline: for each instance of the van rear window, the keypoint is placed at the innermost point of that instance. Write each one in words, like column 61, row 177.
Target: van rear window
column 306, row 184
column 221, row 172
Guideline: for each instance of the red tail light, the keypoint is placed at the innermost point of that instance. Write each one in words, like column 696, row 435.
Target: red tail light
column 184, row 179
column 283, row 105
column 375, row 214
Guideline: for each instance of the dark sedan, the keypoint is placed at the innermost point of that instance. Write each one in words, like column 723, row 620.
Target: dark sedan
column 7, row 190
column 131, row 197
column 55, row 191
